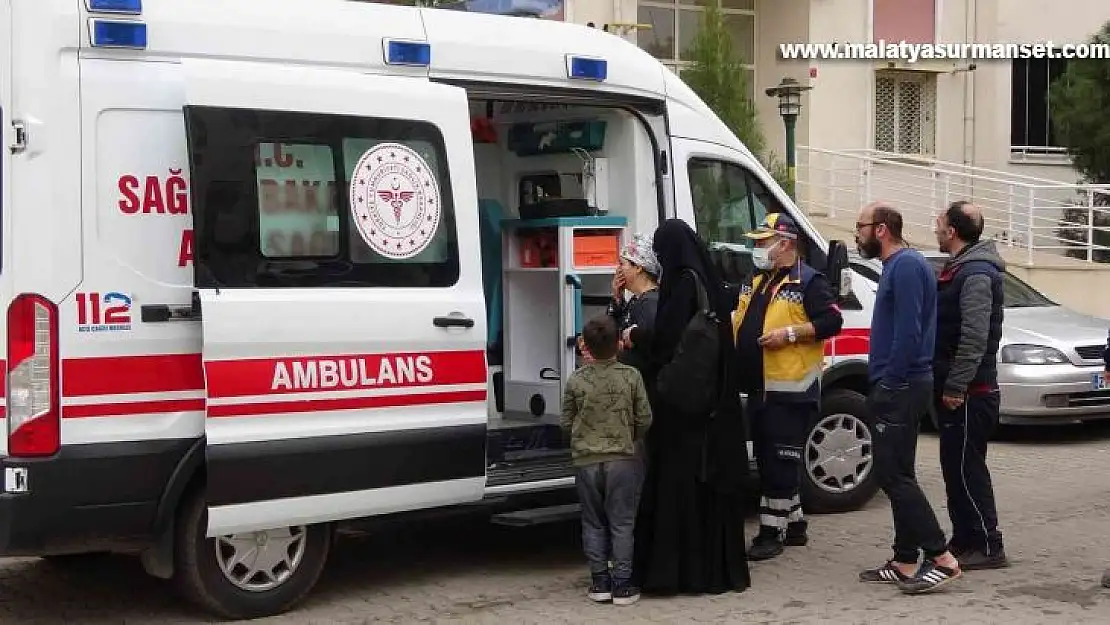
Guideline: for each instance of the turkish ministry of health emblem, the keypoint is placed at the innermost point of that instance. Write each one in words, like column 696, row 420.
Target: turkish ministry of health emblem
column 395, row 200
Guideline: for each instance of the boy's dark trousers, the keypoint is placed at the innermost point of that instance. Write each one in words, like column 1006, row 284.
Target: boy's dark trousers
column 609, row 493
column 964, row 433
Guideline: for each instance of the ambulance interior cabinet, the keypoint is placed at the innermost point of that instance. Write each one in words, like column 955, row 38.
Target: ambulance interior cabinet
column 558, row 273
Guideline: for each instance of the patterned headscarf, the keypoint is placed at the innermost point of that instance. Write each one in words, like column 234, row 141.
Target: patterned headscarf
column 639, row 252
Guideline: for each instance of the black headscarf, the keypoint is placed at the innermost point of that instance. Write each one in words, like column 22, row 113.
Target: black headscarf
column 678, row 248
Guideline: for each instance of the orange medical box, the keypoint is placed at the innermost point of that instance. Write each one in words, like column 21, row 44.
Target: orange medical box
column 596, row 248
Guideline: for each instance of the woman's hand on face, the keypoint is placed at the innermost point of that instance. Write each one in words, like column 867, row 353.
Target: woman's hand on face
column 618, row 285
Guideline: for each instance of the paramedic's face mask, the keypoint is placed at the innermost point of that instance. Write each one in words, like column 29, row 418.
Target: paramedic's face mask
column 765, row 257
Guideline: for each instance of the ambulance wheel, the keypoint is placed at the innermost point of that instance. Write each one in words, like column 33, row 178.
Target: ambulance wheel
column 249, row 575
column 839, row 455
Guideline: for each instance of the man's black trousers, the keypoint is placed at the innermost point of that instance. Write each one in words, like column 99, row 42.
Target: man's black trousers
column 898, row 414
column 779, row 430
column 964, row 433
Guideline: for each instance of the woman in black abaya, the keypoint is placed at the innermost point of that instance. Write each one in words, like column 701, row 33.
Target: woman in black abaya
column 690, row 524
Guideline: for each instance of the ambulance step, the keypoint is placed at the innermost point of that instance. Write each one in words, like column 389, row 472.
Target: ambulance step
column 508, row 474
column 538, row 516
column 561, row 456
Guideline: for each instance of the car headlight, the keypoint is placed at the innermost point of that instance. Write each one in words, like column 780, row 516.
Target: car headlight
column 1032, row 355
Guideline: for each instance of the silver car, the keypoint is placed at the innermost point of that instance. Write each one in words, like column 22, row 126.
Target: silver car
column 1050, row 359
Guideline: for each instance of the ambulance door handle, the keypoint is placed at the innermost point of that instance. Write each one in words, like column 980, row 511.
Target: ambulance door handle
column 453, row 321
column 161, row 313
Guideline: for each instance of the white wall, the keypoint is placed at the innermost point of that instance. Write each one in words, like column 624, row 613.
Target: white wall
column 839, row 106
column 1061, row 21
column 777, row 21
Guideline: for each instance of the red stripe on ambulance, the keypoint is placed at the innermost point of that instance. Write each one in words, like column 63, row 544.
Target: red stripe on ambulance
column 123, row 409
column 269, row 376
column 850, row 342
column 123, row 375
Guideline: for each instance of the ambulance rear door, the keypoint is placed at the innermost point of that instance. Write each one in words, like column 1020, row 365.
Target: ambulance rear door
column 339, row 287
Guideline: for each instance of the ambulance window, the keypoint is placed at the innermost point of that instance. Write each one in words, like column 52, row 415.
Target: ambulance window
column 306, row 200
column 724, row 205
column 298, row 210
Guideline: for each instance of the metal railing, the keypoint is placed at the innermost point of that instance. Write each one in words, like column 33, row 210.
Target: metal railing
column 1035, row 214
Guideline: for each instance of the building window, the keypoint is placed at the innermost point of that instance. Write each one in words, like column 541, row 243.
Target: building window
column 905, row 112
column 1031, row 130
column 675, row 23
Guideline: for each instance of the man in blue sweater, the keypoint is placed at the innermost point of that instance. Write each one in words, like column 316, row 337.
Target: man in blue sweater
column 903, row 332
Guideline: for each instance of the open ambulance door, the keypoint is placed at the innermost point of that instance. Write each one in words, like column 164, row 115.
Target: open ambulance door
column 340, row 292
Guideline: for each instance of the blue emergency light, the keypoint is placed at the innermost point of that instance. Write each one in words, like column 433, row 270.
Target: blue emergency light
column 118, row 34
column 128, row 7
column 587, row 68
column 418, row 53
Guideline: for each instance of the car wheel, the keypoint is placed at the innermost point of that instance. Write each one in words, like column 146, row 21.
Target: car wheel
column 839, row 455
column 248, row 575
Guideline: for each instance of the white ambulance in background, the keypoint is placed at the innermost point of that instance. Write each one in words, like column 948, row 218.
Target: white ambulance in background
column 248, row 278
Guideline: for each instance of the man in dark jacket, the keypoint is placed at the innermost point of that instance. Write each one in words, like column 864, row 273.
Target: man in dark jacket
column 969, row 328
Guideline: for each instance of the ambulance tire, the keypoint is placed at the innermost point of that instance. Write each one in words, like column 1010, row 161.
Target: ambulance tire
column 817, row 500
column 199, row 579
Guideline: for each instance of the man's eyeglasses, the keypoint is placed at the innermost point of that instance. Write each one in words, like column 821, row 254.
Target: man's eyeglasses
column 860, row 226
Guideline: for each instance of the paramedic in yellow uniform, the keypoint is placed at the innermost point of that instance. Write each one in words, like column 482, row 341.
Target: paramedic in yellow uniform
column 783, row 318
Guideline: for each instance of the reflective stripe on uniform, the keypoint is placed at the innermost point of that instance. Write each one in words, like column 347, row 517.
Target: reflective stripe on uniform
column 795, row 386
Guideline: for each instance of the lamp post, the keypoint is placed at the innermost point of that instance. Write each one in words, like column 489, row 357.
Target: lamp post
column 789, row 93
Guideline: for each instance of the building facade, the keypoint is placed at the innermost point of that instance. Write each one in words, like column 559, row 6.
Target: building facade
column 986, row 113
column 994, row 116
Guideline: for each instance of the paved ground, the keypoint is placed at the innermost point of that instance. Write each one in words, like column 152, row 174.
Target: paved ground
column 1054, row 491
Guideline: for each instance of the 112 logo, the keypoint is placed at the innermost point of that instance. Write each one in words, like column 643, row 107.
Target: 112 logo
column 110, row 312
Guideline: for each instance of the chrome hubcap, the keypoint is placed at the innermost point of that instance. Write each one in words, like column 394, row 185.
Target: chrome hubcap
column 839, row 453
column 261, row 561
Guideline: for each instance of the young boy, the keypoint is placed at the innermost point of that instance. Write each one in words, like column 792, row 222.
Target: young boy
column 606, row 411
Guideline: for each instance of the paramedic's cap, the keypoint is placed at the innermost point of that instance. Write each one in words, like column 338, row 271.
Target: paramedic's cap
column 775, row 224
column 639, row 252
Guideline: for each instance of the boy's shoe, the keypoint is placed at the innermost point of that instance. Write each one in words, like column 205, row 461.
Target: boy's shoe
column 601, row 588
column 624, row 593
column 796, row 534
column 766, row 545
column 931, row 577
column 975, row 560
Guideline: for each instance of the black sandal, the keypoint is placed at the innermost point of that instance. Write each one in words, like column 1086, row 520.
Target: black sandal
column 930, row 578
column 885, row 574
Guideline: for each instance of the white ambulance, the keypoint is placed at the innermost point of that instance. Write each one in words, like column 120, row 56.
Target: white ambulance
column 269, row 265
